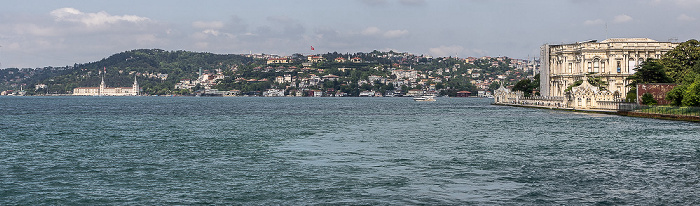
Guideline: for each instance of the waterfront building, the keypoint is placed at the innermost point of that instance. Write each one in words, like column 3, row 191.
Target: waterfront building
column 274, row 93
column 613, row 60
column 39, row 86
column 103, row 90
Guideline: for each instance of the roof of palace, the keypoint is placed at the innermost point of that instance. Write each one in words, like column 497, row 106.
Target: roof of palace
column 614, row 40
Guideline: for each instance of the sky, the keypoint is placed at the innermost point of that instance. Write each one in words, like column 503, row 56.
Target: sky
column 39, row 33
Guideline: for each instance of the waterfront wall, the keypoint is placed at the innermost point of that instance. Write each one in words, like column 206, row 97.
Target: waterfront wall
column 582, row 97
column 658, row 90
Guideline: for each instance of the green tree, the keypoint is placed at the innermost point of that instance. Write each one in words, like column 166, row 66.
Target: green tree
column 524, row 86
column 650, row 71
column 682, row 65
column 527, row 86
column 494, row 86
column 648, row 99
column 676, row 95
column 681, row 59
column 691, row 96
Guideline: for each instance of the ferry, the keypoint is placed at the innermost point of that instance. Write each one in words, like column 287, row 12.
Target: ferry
column 424, row 99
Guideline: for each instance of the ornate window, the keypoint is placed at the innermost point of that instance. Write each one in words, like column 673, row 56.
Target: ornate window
column 588, row 102
column 596, row 65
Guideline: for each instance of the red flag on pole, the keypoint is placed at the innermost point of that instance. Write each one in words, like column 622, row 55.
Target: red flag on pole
column 312, row 47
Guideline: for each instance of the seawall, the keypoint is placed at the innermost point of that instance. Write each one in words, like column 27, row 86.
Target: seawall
column 614, row 112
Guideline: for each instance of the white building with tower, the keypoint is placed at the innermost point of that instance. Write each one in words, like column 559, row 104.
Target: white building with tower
column 103, row 90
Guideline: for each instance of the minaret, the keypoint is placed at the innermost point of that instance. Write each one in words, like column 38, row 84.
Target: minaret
column 135, row 87
column 102, row 87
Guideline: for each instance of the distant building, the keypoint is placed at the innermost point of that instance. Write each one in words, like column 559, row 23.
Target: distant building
column 103, row 90
column 464, row 94
column 340, row 60
column 330, row 77
column 315, row 59
column 274, row 93
column 39, row 86
column 278, row 61
column 407, row 74
column 415, row 93
column 315, row 93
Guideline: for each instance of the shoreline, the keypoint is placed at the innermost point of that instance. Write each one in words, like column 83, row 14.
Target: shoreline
column 614, row 112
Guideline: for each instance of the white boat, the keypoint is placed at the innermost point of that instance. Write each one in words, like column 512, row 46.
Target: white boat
column 424, row 99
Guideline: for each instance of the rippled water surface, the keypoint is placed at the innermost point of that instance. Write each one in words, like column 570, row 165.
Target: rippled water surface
column 300, row 151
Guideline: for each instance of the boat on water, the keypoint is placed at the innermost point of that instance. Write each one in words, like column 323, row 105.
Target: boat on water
column 424, row 99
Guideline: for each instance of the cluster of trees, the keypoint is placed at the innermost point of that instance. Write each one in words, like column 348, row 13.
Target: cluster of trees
column 680, row 65
column 528, row 87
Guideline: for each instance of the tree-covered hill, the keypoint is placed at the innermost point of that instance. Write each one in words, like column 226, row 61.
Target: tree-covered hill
column 156, row 70
column 161, row 72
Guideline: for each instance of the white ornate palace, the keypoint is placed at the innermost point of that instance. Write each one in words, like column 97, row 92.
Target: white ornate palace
column 103, row 90
column 612, row 61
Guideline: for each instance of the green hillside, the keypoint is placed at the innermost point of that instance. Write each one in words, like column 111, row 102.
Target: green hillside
column 149, row 65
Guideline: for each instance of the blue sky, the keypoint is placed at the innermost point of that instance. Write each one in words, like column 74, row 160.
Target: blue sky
column 35, row 33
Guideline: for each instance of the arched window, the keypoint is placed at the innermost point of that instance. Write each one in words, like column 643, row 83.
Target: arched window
column 619, row 67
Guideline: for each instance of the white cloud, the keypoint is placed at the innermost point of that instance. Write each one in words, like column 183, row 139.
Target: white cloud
column 444, row 51
column 93, row 19
column 395, row 33
column 594, row 22
column 34, row 30
column 370, row 31
column 622, row 18
column 684, row 17
column 374, row 31
column 208, row 24
column 211, row 31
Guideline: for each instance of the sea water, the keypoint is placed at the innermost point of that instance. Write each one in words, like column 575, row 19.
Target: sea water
column 305, row 151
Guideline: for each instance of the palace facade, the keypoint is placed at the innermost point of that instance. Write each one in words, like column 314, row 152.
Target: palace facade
column 103, row 90
column 613, row 60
